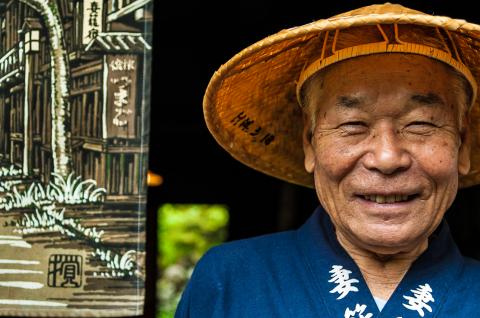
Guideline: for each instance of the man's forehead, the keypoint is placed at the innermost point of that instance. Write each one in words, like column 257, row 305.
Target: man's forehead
column 349, row 83
column 356, row 101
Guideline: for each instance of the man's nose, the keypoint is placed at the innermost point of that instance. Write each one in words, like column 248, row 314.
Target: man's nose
column 386, row 152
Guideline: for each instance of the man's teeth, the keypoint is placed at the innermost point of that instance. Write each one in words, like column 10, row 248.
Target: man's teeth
column 386, row 198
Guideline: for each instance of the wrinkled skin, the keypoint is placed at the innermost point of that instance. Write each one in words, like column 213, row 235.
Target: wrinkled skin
column 386, row 125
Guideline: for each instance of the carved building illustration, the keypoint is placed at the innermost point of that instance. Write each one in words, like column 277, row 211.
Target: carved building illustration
column 106, row 44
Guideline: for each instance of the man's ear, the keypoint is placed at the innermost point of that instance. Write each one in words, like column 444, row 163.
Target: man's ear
column 308, row 150
column 464, row 152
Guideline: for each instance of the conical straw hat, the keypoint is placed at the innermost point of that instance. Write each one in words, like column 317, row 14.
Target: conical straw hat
column 251, row 105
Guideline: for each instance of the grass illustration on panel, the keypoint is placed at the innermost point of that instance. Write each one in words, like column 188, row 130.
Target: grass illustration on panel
column 43, row 215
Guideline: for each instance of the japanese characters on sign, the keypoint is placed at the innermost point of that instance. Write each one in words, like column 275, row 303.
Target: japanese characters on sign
column 65, row 271
column 121, row 92
column 248, row 126
column 92, row 19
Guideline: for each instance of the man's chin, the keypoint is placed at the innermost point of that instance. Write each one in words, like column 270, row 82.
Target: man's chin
column 387, row 243
column 387, row 240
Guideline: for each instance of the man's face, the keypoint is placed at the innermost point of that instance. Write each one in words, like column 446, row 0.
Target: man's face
column 386, row 150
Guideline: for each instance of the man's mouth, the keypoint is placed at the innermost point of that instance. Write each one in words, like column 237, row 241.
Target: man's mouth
column 391, row 198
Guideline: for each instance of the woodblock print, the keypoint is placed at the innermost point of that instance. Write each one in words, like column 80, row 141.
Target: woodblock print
column 73, row 154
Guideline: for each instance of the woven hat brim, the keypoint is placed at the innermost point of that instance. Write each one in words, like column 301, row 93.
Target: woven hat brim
column 252, row 97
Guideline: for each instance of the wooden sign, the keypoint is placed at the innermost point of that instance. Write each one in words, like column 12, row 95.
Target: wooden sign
column 121, row 98
column 92, row 19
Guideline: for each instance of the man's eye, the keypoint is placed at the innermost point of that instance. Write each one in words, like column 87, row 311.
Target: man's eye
column 421, row 127
column 421, row 123
column 354, row 127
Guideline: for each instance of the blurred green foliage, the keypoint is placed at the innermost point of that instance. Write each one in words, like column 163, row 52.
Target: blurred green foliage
column 185, row 233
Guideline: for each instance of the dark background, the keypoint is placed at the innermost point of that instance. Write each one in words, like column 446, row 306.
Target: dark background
column 191, row 40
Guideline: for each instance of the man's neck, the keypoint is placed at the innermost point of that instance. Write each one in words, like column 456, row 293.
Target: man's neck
column 382, row 272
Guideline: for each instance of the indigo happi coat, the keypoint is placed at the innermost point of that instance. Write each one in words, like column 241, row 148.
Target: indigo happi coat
column 306, row 273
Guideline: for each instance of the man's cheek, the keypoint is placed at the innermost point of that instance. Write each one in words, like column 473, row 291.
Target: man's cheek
column 336, row 160
column 440, row 164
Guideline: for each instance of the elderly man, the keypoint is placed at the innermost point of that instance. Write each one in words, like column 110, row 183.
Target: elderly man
column 387, row 98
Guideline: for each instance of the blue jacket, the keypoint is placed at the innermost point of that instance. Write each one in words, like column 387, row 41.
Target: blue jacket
column 306, row 273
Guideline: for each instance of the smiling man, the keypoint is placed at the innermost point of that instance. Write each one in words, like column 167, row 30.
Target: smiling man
column 387, row 98
column 385, row 151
